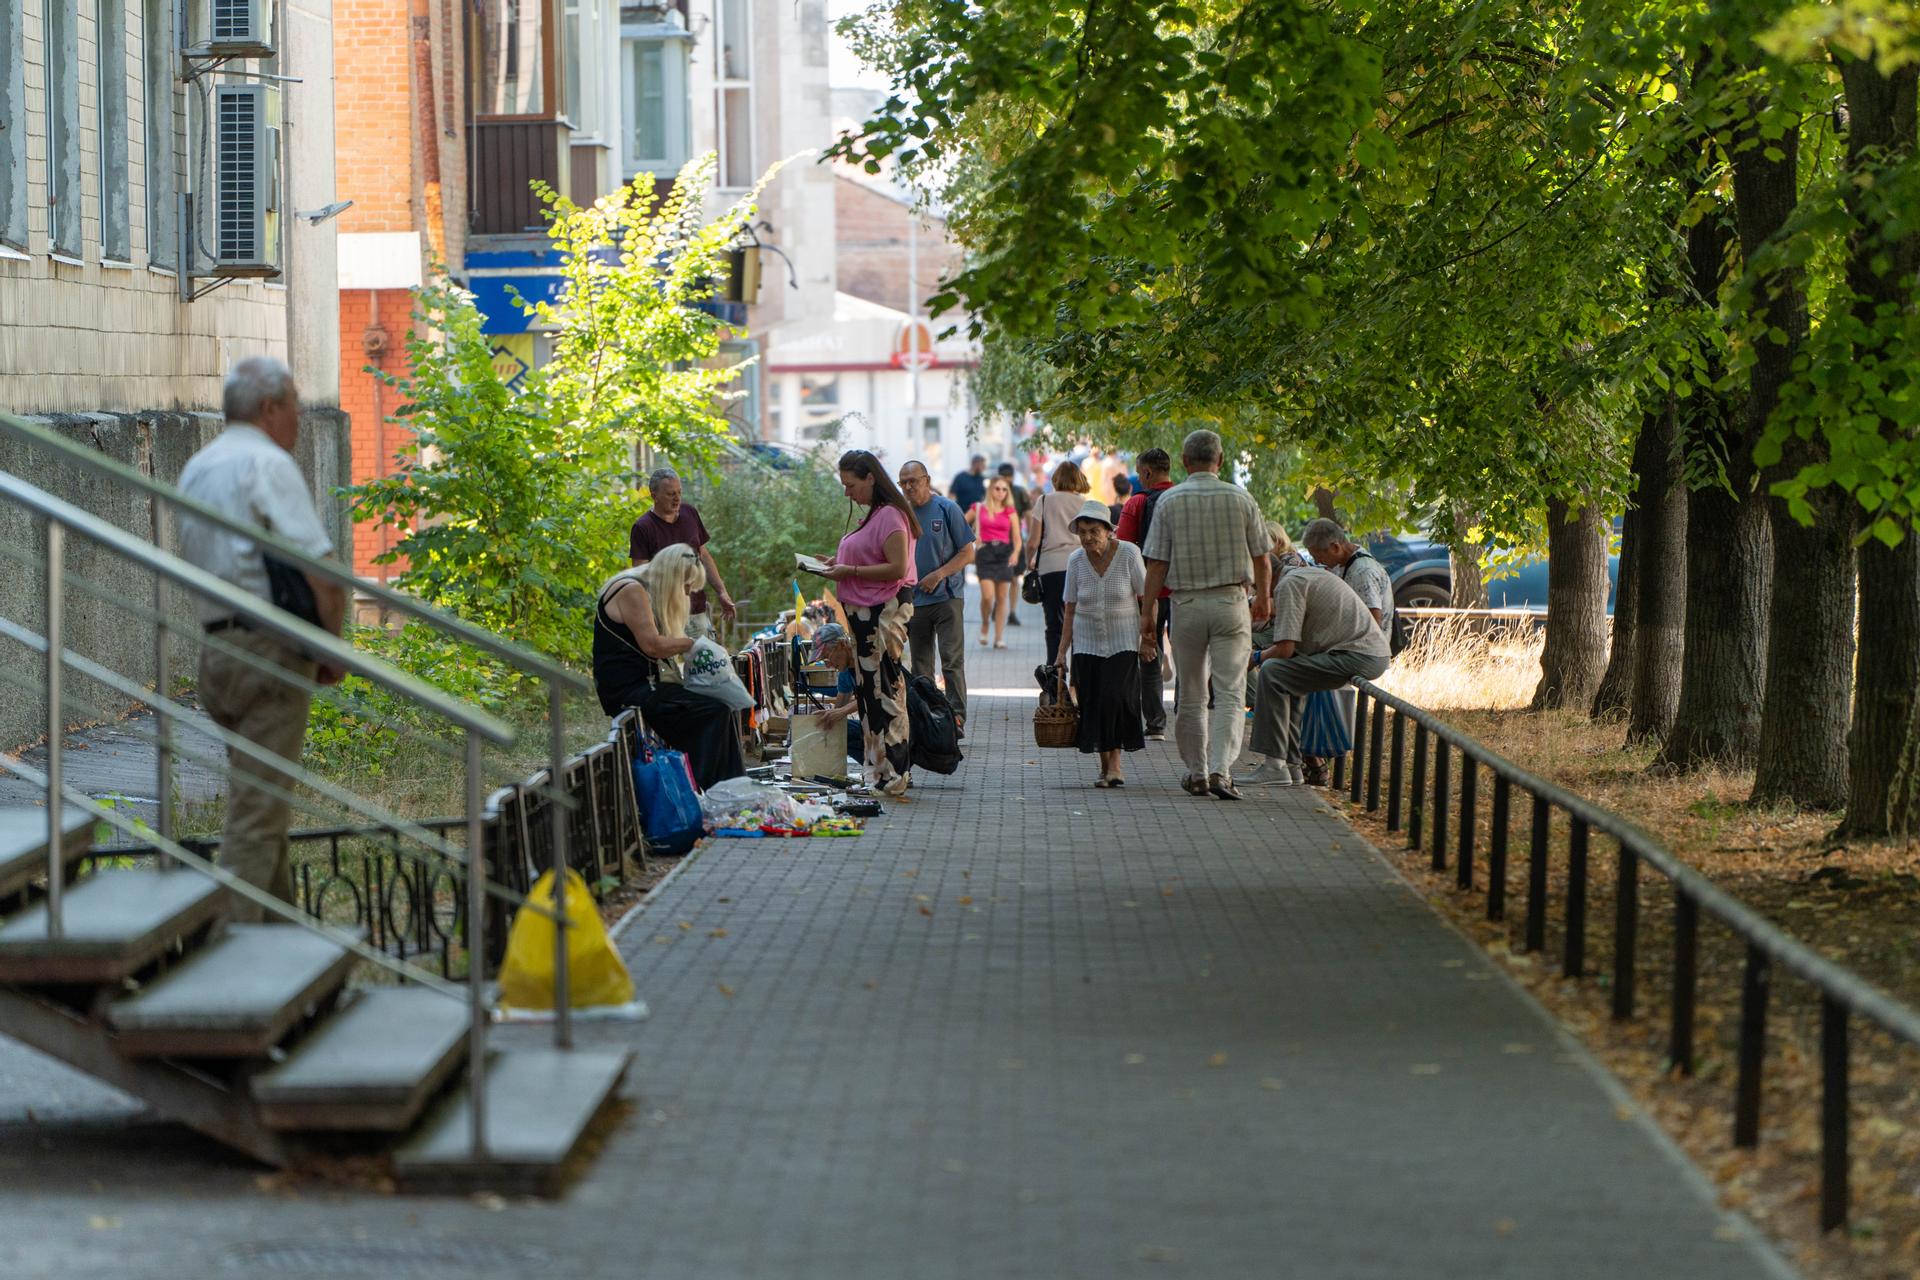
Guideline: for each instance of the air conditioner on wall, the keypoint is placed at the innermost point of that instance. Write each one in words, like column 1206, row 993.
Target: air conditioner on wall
column 243, row 209
column 232, row 28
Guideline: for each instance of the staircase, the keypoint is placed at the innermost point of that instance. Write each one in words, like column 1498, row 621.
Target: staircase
column 257, row 1035
column 251, row 1035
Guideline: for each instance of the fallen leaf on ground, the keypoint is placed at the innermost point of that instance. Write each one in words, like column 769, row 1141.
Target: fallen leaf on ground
column 1271, row 1082
column 716, row 933
column 1426, row 1068
column 726, row 991
column 925, row 911
column 1217, row 1060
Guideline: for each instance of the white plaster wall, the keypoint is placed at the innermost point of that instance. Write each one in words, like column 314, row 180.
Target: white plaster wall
column 312, row 269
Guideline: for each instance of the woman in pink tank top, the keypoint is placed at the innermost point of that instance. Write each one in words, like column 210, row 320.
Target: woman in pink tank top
column 873, row 574
column 996, row 523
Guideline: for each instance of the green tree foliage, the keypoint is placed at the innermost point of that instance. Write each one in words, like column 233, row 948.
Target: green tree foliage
column 514, row 501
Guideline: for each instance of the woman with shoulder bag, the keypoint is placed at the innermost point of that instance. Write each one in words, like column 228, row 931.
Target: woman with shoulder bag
column 996, row 524
column 873, row 574
column 1054, row 515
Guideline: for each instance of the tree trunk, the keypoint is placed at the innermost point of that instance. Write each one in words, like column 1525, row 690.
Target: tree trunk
column 1884, row 747
column 1575, row 656
column 1729, row 560
column 1802, row 753
column 1660, row 572
column 1615, row 693
column 1469, row 586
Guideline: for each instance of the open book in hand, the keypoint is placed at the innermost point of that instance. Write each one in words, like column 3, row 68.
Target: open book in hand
column 807, row 564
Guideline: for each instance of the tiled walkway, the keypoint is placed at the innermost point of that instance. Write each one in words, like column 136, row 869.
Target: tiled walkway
column 1022, row 1028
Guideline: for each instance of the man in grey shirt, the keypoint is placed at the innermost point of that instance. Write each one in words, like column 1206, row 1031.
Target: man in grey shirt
column 1323, row 636
column 1331, row 548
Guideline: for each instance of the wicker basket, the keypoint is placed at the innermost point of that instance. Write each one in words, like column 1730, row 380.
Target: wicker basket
column 1056, row 724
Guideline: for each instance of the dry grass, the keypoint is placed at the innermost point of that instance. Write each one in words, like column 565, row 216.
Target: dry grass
column 1858, row 904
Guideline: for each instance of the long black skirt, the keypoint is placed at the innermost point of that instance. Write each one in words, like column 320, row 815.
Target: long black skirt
column 1108, row 693
column 704, row 729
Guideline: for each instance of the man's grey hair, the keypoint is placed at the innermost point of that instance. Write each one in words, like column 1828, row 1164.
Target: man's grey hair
column 252, row 385
column 915, row 462
column 1201, row 446
column 1322, row 533
column 659, row 476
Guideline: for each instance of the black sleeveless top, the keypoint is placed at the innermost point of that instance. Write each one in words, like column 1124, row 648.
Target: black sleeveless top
column 620, row 669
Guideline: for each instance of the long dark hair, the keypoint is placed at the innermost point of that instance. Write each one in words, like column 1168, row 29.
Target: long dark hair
column 885, row 492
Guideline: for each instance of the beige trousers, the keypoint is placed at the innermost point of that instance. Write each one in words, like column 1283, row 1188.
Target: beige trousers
column 1212, row 637
column 272, row 715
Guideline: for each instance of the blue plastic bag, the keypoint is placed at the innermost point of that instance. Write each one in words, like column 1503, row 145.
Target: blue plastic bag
column 1324, row 732
column 669, row 802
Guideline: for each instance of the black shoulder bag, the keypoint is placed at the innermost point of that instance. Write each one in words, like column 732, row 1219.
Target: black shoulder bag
column 1030, row 589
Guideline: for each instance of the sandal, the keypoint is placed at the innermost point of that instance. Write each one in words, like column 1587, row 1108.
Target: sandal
column 1116, row 781
column 1103, row 783
column 999, row 644
column 1194, row 784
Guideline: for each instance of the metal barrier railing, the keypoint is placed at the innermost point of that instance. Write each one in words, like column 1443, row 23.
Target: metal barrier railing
column 1427, row 818
column 558, row 680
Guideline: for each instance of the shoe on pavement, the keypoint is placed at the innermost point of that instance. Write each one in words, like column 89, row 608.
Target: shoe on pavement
column 1194, row 784
column 1013, row 619
column 1222, row 788
column 1298, row 775
column 1271, row 773
column 1156, row 737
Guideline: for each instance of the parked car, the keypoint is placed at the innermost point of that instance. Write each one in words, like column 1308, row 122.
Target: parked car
column 1423, row 576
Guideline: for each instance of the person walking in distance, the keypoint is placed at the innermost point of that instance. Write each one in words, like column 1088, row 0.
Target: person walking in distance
column 1104, row 580
column 248, row 473
column 1054, row 542
column 1122, row 490
column 1136, row 518
column 970, row 486
column 996, row 561
column 940, row 559
column 675, row 522
column 874, row 576
column 1207, row 542
column 1022, row 508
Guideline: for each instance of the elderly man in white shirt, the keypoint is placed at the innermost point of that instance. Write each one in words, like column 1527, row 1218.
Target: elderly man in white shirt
column 248, row 474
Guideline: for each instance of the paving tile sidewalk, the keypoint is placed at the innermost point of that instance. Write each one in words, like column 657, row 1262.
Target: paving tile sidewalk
column 1022, row 1028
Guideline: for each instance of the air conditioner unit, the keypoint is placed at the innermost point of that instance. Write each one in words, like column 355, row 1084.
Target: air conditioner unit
column 232, row 29
column 244, row 208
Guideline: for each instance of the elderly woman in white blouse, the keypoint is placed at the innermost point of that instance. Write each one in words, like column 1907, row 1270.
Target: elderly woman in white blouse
column 1100, row 639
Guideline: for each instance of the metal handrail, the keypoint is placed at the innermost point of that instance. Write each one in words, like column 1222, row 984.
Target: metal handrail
column 559, row 680
column 1842, row 992
column 257, row 612
column 519, row 656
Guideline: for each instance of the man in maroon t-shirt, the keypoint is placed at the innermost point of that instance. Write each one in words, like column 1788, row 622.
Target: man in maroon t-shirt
column 1156, row 476
column 673, row 522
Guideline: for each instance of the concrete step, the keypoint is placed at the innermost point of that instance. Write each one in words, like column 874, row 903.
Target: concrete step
column 372, row 1066
column 23, row 843
column 235, row 998
column 540, row 1103
column 117, row 921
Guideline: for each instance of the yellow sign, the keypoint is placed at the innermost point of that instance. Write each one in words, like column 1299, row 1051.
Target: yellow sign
column 512, row 356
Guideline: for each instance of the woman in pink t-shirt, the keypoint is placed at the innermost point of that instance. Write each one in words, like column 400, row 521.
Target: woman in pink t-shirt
column 873, row 573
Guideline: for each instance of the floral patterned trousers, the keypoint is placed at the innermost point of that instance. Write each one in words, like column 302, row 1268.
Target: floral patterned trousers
column 880, row 690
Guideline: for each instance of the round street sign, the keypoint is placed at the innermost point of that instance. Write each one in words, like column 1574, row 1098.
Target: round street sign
column 913, row 345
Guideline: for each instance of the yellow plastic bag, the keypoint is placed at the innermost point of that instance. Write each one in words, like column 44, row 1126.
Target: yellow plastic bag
column 595, row 974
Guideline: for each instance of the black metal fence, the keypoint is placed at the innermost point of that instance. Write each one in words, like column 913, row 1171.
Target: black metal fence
column 1422, row 806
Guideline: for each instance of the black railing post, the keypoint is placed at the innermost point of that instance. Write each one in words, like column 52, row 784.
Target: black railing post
column 1469, row 801
column 1575, row 963
column 1686, row 941
column 1626, row 930
column 1373, row 755
column 1537, row 877
column 1753, row 1047
column 1359, row 736
column 1338, row 782
column 1396, row 770
column 1497, row 851
column 1441, row 759
column 1833, row 1113
column 1417, row 793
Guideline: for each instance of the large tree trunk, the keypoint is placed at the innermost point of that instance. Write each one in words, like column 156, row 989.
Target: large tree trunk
column 1729, row 561
column 1469, row 589
column 1615, row 693
column 1884, row 747
column 1575, row 656
column 1802, row 754
column 1660, row 571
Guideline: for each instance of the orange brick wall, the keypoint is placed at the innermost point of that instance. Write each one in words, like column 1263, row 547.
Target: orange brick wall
column 375, row 440
column 870, row 243
column 373, row 115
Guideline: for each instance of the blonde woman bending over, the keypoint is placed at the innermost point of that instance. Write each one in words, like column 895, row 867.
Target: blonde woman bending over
column 639, row 636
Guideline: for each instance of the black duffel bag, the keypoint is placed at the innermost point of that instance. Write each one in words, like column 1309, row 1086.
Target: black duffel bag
column 935, row 736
